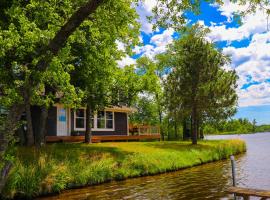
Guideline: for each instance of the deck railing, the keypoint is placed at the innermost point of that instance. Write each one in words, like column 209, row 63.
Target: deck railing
column 144, row 130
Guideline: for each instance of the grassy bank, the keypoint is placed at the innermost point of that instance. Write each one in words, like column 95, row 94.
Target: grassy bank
column 61, row 166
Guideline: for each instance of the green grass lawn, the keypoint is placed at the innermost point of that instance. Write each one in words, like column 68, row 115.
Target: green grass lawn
column 61, row 166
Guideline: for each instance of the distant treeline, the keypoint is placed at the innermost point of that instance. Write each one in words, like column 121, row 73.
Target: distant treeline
column 263, row 128
column 235, row 126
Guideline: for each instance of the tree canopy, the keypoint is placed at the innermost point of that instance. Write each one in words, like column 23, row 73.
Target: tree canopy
column 198, row 85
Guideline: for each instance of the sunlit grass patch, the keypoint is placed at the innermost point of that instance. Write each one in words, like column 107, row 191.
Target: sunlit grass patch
column 61, row 166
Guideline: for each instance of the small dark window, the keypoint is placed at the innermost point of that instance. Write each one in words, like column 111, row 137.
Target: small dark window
column 80, row 119
column 109, row 119
column 109, row 124
column 101, row 119
column 80, row 123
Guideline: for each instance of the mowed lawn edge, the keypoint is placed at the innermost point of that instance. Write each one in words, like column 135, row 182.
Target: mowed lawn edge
column 61, row 166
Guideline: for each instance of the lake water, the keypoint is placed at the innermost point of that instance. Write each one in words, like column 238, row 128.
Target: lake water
column 207, row 181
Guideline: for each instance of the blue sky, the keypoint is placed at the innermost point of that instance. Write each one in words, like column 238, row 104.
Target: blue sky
column 260, row 113
column 247, row 43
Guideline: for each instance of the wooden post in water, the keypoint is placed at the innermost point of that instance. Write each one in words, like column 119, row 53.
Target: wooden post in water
column 233, row 173
column 246, row 193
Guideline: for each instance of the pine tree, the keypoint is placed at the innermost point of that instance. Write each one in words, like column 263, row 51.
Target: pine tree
column 198, row 85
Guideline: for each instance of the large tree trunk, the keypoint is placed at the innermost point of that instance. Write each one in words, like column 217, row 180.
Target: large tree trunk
column 160, row 124
column 184, row 124
column 22, row 135
column 40, row 135
column 168, row 128
column 201, row 133
column 88, row 134
column 194, row 124
column 7, row 134
column 10, row 125
column 29, row 134
column 198, row 128
column 175, row 128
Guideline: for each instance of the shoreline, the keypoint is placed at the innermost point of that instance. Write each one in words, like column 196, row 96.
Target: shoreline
column 51, row 170
column 252, row 133
column 54, row 195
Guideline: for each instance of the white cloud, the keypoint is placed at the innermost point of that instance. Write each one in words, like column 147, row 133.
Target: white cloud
column 145, row 9
column 255, row 95
column 158, row 44
column 120, row 45
column 255, row 23
column 228, row 9
column 251, row 23
column 164, row 38
column 252, row 64
column 126, row 61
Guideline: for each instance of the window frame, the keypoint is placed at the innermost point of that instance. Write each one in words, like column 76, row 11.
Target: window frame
column 84, row 121
column 104, row 129
column 95, row 128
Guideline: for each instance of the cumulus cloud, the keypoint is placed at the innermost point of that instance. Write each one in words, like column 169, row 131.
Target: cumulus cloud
column 158, row 44
column 126, row 61
column 255, row 95
column 164, row 38
column 144, row 9
column 252, row 64
column 251, row 24
column 120, row 45
column 228, row 9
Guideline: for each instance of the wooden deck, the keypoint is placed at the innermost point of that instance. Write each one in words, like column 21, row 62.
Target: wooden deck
column 246, row 193
column 102, row 138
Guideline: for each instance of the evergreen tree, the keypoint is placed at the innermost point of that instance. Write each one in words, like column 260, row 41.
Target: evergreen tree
column 198, row 85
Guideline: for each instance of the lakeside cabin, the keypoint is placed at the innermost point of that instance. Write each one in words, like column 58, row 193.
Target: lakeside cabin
column 111, row 124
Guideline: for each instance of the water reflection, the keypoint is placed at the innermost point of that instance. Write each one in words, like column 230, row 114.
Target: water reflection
column 253, row 168
column 203, row 182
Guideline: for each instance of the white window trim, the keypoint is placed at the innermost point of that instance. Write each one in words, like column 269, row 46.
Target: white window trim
column 103, row 129
column 95, row 122
column 74, row 121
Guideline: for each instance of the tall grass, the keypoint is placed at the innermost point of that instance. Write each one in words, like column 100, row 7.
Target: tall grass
column 61, row 166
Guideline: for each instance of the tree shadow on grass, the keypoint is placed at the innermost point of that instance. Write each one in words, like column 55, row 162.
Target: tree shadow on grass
column 69, row 152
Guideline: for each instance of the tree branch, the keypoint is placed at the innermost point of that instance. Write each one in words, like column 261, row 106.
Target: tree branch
column 62, row 35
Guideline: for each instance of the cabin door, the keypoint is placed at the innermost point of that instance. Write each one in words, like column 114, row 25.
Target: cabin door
column 62, row 121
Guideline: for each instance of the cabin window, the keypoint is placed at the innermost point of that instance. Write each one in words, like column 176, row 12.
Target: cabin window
column 100, row 121
column 105, row 120
column 80, row 119
column 109, row 120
